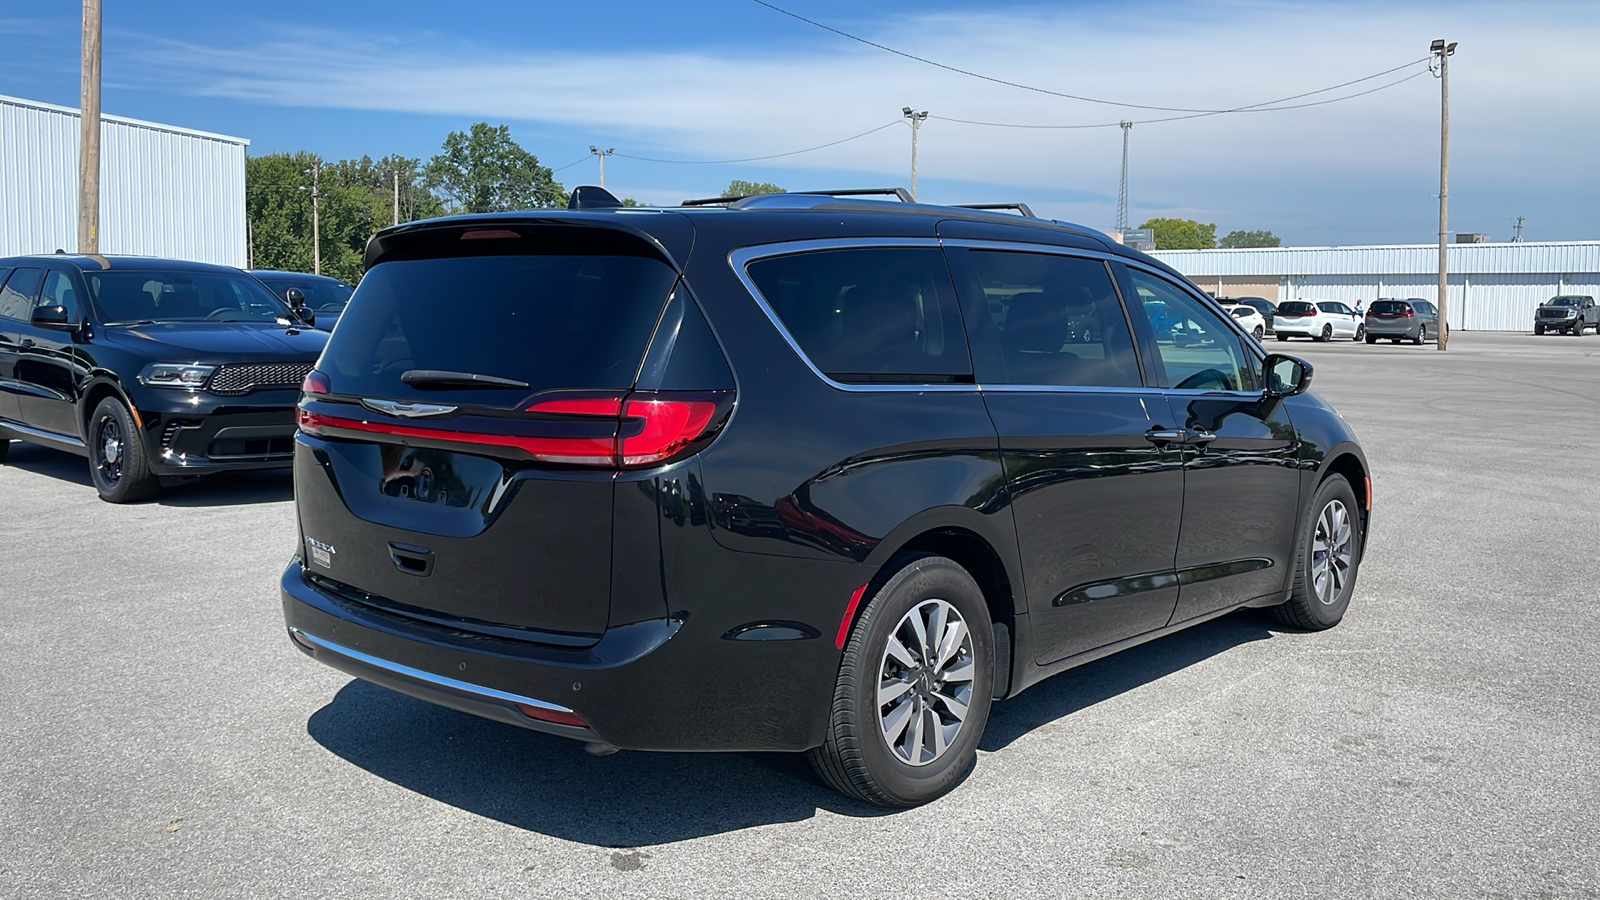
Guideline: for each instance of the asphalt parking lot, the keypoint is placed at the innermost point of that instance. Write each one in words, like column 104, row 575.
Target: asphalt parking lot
column 160, row 736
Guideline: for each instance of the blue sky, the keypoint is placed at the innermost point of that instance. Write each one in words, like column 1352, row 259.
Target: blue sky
column 729, row 79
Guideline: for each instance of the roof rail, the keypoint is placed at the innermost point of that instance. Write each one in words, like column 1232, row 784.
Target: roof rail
column 903, row 195
column 1019, row 207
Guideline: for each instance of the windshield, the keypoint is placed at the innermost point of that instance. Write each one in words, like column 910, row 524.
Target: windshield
column 127, row 298
column 1562, row 301
column 321, row 296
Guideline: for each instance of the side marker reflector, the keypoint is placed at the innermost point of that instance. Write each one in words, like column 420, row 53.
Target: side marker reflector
column 849, row 616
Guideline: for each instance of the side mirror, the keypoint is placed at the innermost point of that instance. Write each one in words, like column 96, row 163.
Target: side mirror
column 305, row 315
column 296, row 299
column 51, row 317
column 1286, row 375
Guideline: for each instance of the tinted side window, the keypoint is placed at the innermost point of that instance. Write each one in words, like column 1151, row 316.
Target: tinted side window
column 1057, row 321
column 869, row 314
column 58, row 291
column 16, row 298
column 1197, row 348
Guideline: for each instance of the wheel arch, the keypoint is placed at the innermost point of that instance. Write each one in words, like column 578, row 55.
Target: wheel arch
column 1347, row 461
column 99, row 387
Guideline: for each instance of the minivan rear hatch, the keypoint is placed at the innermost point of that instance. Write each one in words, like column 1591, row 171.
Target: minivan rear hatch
column 462, row 432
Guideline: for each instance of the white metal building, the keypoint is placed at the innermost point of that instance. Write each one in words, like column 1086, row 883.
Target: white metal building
column 164, row 191
column 1493, row 287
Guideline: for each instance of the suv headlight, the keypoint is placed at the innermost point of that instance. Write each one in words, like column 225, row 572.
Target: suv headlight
column 176, row 375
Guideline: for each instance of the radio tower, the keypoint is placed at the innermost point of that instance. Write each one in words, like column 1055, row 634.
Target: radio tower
column 1122, row 191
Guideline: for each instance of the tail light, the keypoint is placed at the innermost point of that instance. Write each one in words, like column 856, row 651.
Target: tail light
column 623, row 431
column 315, row 383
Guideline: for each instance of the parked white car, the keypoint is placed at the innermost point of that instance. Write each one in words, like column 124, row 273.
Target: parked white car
column 1320, row 320
column 1249, row 318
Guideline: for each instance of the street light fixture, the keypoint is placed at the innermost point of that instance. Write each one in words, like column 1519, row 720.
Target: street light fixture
column 917, row 118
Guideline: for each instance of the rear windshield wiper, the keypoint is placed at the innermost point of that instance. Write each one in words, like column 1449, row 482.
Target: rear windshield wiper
column 438, row 379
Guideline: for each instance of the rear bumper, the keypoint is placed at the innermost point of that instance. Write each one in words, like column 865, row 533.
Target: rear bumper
column 1384, row 328
column 661, row 684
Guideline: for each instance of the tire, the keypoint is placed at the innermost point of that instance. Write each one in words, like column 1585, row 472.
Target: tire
column 1372, row 339
column 1259, row 333
column 857, row 758
column 1578, row 328
column 1283, row 337
column 5, row 448
column 117, row 462
column 1361, row 332
column 1422, row 335
column 1327, row 334
column 1321, row 592
column 1538, row 329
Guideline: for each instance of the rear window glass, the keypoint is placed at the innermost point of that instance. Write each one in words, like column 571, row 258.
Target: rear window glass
column 549, row 321
column 870, row 314
column 1389, row 307
column 1295, row 306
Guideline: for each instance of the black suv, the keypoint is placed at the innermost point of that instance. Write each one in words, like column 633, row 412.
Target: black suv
column 158, row 371
column 320, row 299
column 800, row 473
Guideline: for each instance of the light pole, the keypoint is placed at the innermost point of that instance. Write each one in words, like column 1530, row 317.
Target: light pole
column 316, row 216
column 89, row 152
column 1443, row 52
column 602, row 154
column 1122, row 190
column 917, row 118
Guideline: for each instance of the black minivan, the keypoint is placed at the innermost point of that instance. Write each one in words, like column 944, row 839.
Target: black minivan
column 796, row 472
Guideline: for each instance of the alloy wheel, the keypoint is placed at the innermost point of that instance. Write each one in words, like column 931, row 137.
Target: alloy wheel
column 109, row 452
column 925, row 682
column 1331, row 552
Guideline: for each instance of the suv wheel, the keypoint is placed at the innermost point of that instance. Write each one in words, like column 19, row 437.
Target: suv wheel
column 1330, row 556
column 1422, row 335
column 1259, row 333
column 116, row 455
column 1361, row 332
column 5, row 448
column 914, row 688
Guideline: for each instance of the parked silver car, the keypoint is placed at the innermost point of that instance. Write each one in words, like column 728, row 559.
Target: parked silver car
column 1412, row 319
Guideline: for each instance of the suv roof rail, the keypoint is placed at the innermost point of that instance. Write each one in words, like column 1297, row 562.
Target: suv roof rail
column 1019, row 207
column 903, row 195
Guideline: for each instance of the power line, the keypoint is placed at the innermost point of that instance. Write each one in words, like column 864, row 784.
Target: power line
column 1256, row 108
column 573, row 163
column 719, row 162
column 1040, row 90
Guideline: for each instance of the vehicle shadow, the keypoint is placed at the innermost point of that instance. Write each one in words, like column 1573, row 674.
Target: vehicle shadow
column 232, row 489
column 1083, row 687
column 57, row 464
column 552, row 786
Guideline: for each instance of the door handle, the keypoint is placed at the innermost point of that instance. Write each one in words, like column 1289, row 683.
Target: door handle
column 1164, row 436
column 27, row 342
column 1199, row 436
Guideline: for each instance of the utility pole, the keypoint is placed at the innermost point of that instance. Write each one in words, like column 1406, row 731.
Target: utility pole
column 1518, row 238
column 1122, row 191
column 396, row 174
column 1443, row 51
column 89, row 151
column 316, row 217
column 917, row 118
column 602, row 154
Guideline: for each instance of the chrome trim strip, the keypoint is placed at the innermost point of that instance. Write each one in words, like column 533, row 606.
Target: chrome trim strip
column 428, row 677
column 41, row 433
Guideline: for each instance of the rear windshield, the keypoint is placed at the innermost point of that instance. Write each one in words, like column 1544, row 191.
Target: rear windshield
column 548, row 321
column 1388, row 307
column 133, row 297
column 1295, row 306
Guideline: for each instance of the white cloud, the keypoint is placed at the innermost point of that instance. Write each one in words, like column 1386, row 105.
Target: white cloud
column 1524, row 116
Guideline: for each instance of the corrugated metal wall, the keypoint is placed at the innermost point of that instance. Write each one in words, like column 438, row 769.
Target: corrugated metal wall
column 163, row 191
column 1493, row 287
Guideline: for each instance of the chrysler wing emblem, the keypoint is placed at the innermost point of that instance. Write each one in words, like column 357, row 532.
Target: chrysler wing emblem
column 408, row 410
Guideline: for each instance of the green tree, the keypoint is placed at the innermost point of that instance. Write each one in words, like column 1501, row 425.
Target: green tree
column 484, row 170
column 1182, row 234
column 1235, row 240
column 738, row 188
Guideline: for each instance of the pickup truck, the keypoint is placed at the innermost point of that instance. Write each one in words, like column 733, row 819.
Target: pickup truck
column 1566, row 314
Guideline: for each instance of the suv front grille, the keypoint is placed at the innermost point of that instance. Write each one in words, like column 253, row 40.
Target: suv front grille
column 242, row 378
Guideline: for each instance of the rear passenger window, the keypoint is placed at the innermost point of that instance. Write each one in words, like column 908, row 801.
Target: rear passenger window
column 870, row 314
column 1057, row 319
column 16, row 298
